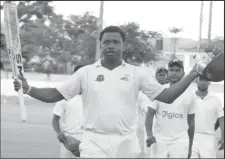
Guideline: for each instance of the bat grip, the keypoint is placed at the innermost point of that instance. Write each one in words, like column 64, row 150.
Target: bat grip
column 22, row 105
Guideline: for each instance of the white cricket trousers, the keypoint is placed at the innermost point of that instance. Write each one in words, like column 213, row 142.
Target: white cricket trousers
column 204, row 146
column 96, row 145
column 64, row 152
column 177, row 148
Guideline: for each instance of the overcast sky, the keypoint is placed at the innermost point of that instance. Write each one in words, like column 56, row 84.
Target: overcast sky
column 152, row 15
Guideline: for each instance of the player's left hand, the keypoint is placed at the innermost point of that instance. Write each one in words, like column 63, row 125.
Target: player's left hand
column 221, row 144
column 61, row 137
column 72, row 144
column 196, row 70
column 150, row 140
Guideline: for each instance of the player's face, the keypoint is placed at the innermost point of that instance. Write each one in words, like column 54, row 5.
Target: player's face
column 203, row 85
column 161, row 77
column 112, row 45
column 175, row 73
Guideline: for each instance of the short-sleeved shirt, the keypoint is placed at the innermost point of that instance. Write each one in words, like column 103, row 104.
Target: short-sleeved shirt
column 171, row 119
column 208, row 110
column 110, row 96
column 143, row 103
column 71, row 115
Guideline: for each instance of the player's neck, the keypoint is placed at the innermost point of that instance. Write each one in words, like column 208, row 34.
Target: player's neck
column 111, row 64
column 201, row 94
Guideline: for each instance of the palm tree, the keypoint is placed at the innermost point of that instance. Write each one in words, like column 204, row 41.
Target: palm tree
column 174, row 39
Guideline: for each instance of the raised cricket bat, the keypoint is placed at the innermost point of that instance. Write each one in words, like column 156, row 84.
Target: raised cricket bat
column 12, row 37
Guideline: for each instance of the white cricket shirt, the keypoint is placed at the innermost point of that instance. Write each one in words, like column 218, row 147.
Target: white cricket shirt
column 110, row 96
column 208, row 110
column 171, row 119
column 71, row 114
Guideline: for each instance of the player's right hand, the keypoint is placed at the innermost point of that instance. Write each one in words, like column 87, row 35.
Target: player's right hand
column 61, row 137
column 150, row 140
column 17, row 84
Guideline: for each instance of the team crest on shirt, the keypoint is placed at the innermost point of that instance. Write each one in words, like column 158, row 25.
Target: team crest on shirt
column 126, row 77
column 100, row 78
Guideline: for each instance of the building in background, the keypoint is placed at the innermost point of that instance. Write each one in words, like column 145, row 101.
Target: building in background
column 5, row 63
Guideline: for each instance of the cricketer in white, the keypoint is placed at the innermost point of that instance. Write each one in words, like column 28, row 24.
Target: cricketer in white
column 109, row 99
column 171, row 128
column 174, row 124
column 67, row 120
column 109, row 90
column 209, row 109
column 143, row 103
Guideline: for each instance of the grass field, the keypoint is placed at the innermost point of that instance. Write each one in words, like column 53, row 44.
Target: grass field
column 33, row 139
column 36, row 137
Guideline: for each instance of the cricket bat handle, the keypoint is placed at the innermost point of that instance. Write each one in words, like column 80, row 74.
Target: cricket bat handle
column 22, row 105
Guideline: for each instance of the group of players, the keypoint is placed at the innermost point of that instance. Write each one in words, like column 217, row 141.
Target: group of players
column 111, row 107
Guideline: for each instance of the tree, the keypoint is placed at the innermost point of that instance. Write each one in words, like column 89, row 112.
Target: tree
column 32, row 16
column 80, row 30
column 217, row 42
column 73, row 41
column 139, row 48
column 27, row 9
column 174, row 31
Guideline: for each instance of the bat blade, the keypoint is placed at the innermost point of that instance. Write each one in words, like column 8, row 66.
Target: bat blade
column 12, row 37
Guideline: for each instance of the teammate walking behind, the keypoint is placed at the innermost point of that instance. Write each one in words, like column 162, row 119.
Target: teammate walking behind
column 67, row 120
column 209, row 109
column 174, row 123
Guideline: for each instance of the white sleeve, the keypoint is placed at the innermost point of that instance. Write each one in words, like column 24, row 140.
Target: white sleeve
column 73, row 86
column 59, row 108
column 154, row 105
column 149, row 86
column 219, row 108
column 144, row 102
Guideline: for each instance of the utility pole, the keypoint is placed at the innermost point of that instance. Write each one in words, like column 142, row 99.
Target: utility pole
column 100, row 25
column 210, row 22
column 200, row 27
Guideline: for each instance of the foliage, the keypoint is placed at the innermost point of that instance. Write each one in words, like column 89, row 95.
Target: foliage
column 71, row 41
column 138, row 45
column 175, row 30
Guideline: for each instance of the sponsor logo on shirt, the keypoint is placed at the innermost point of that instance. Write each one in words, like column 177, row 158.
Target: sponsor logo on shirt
column 126, row 77
column 171, row 115
column 100, row 78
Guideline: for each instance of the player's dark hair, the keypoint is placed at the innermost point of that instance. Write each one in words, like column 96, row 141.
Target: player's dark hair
column 112, row 29
column 77, row 67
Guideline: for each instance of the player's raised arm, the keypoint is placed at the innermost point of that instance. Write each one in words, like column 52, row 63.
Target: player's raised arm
column 170, row 94
column 66, row 90
column 213, row 70
column 154, row 90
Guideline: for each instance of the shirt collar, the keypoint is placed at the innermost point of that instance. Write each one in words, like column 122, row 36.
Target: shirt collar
column 209, row 95
column 99, row 64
